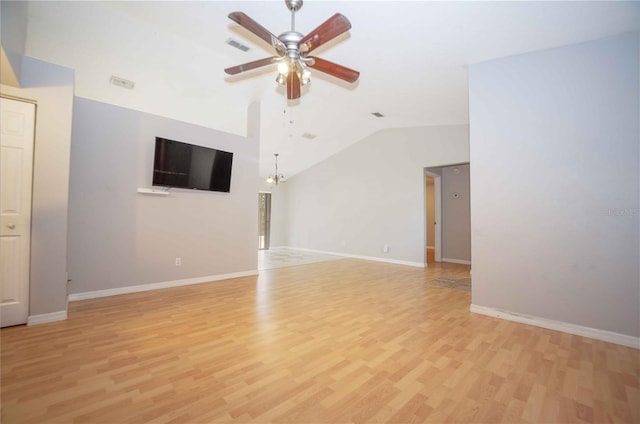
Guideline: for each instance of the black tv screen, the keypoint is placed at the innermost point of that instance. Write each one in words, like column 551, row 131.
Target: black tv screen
column 184, row 165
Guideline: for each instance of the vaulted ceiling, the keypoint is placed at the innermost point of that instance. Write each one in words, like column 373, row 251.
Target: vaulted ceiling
column 412, row 56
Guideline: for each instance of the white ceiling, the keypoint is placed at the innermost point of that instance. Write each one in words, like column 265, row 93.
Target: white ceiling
column 412, row 57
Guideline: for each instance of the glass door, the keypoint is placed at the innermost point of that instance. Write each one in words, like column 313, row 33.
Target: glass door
column 264, row 220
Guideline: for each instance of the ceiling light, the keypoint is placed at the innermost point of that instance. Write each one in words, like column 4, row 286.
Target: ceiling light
column 280, row 79
column 283, row 68
column 276, row 178
column 305, row 73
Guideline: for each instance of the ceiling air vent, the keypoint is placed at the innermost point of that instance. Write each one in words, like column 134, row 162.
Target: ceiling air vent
column 377, row 114
column 234, row 43
column 121, row 82
column 309, row 136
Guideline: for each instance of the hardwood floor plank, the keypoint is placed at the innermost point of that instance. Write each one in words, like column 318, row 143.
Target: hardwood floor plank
column 343, row 341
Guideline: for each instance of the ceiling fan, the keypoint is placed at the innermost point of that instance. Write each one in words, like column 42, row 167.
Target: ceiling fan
column 293, row 50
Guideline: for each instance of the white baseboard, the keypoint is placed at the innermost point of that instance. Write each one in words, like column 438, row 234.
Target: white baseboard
column 44, row 318
column 565, row 327
column 155, row 286
column 366, row 258
column 456, row 261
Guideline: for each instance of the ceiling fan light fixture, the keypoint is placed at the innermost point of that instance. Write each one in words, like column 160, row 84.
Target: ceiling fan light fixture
column 305, row 73
column 283, row 68
column 281, row 79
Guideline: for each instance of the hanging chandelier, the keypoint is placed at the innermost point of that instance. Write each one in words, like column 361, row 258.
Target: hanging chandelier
column 276, row 178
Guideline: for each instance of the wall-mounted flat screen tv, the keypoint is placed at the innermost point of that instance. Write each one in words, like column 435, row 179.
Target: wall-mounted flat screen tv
column 184, row 165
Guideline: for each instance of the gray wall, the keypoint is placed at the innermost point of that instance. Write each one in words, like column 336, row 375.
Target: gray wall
column 372, row 193
column 555, row 156
column 13, row 34
column 118, row 237
column 52, row 87
column 456, row 216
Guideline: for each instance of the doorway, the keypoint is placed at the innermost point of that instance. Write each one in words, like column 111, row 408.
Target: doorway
column 448, row 227
column 17, row 125
column 431, row 220
column 264, row 220
column 433, row 212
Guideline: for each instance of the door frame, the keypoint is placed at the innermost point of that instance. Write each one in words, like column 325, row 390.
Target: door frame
column 429, row 171
column 267, row 224
column 437, row 194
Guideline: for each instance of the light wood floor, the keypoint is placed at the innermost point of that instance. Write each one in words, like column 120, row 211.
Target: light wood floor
column 333, row 342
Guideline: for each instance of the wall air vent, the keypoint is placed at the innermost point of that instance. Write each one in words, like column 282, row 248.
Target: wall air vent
column 377, row 114
column 234, row 43
column 121, row 82
column 309, row 136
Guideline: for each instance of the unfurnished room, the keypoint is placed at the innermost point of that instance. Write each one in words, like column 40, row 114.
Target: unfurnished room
column 320, row 212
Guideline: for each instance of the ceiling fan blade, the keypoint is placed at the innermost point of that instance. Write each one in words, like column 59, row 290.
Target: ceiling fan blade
column 334, row 69
column 248, row 23
column 251, row 65
column 293, row 86
column 330, row 29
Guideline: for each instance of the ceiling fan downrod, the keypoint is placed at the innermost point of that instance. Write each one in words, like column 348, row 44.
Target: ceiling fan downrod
column 293, row 6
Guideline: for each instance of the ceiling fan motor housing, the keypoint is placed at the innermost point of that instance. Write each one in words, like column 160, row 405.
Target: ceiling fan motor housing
column 291, row 39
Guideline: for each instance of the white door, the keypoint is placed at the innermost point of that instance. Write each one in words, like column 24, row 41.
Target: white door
column 17, row 121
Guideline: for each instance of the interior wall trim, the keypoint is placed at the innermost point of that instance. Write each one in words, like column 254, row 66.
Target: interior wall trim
column 20, row 99
column 366, row 258
column 156, row 286
column 45, row 318
column 565, row 327
column 456, row 261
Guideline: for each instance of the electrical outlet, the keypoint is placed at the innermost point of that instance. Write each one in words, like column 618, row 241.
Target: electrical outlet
column 385, row 248
column 178, row 261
